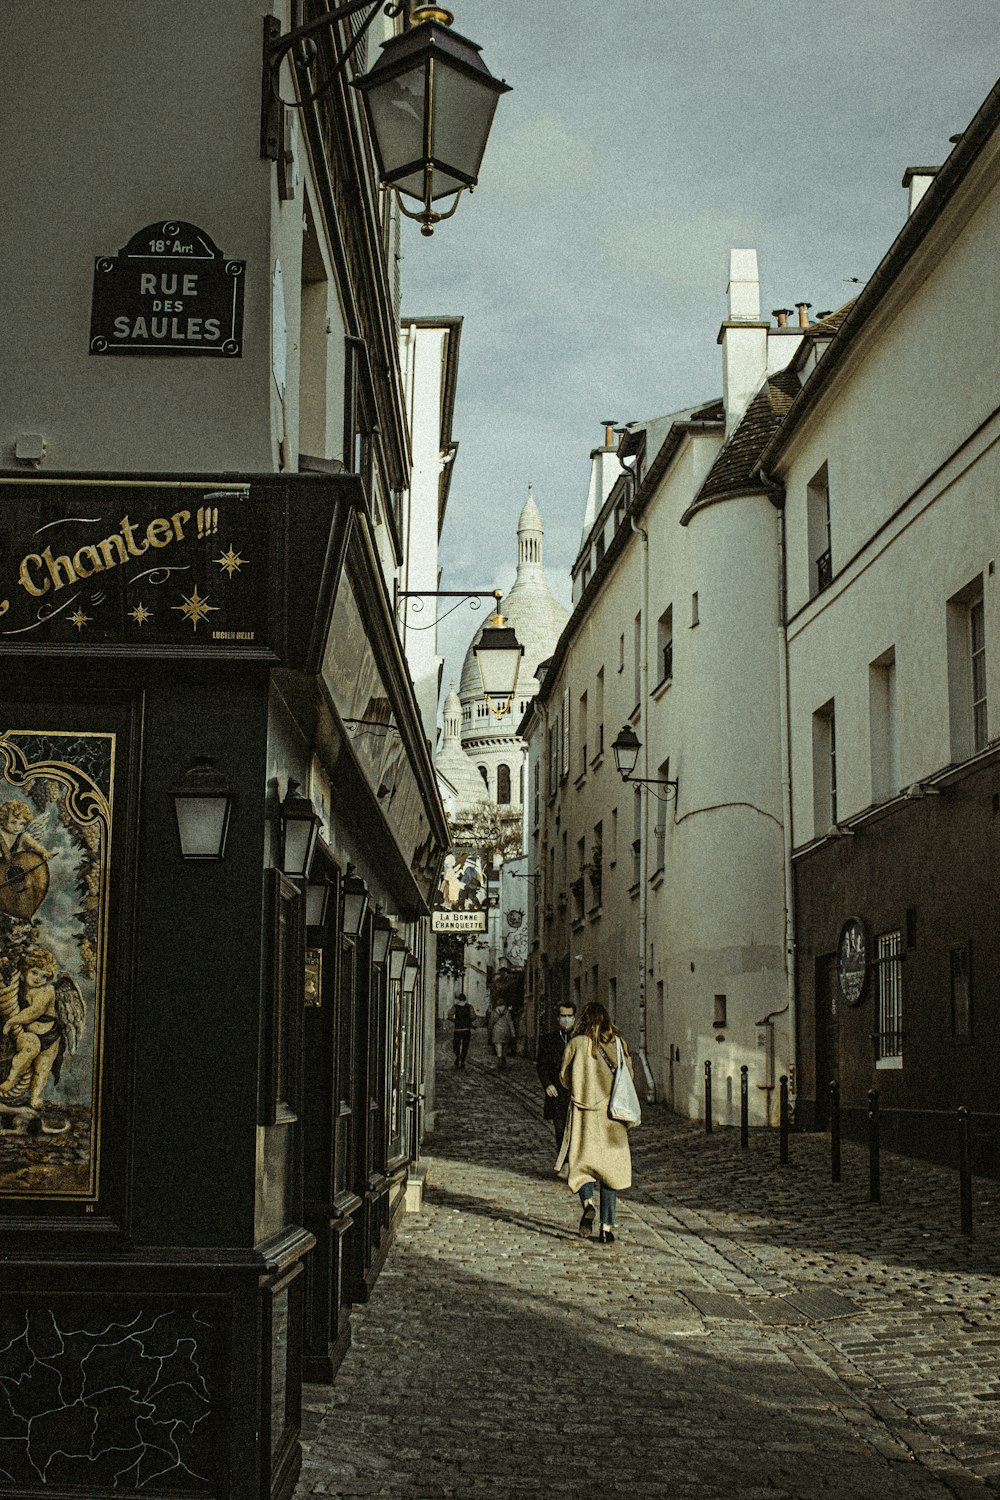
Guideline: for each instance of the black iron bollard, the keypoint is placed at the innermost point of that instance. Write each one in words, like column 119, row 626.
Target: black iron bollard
column 783, row 1118
column 708, row 1098
column 874, row 1174
column 744, row 1107
column 834, row 1131
column 965, row 1168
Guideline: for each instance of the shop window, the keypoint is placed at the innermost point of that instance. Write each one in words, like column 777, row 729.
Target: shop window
column 889, row 1000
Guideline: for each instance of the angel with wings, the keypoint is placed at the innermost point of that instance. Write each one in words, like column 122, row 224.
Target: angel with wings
column 48, row 1023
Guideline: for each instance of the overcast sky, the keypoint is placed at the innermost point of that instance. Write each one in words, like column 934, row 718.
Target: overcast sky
column 643, row 139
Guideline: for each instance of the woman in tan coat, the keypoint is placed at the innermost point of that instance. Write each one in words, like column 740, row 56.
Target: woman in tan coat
column 597, row 1148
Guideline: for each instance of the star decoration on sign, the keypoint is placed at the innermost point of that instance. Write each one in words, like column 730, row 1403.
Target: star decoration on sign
column 231, row 561
column 79, row 619
column 140, row 614
column 195, row 608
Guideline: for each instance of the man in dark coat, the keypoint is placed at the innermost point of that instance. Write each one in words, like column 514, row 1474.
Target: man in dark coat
column 551, row 1047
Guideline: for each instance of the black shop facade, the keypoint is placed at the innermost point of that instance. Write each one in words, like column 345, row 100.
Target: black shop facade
column 210, row 1068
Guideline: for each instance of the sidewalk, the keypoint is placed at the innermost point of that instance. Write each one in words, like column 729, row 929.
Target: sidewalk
column 756, row 1331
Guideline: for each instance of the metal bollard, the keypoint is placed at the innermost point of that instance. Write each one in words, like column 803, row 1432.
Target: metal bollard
column 708, row 1098
column 834, row 1131
column 874, row 1173
column 965, row 1168
column 744, row 1107
column 783, row 1118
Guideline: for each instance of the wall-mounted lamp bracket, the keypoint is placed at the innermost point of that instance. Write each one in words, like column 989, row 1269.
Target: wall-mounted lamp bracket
column 277, row 47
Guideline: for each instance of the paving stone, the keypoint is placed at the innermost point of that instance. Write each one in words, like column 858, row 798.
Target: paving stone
column 755, row 1331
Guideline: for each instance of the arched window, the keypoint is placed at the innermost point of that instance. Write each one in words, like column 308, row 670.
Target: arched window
column 485, row 775
column 503, row 784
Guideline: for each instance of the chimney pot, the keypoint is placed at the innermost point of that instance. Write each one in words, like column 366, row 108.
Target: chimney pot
column 782, row 314
column 803, row 311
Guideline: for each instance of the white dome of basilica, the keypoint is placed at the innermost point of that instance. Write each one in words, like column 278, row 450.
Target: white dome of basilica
column 538, row 619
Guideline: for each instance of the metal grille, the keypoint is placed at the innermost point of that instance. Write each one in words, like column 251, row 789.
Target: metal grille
column 889, row 969
column 668, row 661
column 824, row 571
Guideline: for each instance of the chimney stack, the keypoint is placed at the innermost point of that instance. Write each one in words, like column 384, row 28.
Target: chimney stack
column 803, row 311
column 743, row 337
column 917, row 180
column 609, row 425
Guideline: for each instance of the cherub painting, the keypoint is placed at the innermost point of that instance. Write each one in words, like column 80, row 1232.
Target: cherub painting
column 47, row 1025
column 55, row 825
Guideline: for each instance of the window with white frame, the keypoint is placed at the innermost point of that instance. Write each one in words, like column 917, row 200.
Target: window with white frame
column 582, row 735
column 598, row 735
column 824, row 727
column 665, row 645
column 889, row 999
column 818, row 531
column 966, row 638
column 883, row 725
column 660, row 826
column 637, row 657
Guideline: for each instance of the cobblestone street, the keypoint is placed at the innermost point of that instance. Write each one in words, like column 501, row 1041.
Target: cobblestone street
column 755, row 1331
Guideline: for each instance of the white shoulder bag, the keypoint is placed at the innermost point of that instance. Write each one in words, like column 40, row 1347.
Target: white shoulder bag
column 624, row 1102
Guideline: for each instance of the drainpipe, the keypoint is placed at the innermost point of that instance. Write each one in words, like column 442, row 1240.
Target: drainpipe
column 644, row 794
column 786, row 803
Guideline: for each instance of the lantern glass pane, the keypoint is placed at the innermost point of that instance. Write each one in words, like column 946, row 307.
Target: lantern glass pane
column 463, row 113
column 299, row 839
column 396, row 111
column 397, row 958
column 317, row 893
column 498, row 653
column 381, row 938
column 202, row 823
column 355, row 911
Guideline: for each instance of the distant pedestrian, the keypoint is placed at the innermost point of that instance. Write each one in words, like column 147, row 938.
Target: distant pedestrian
column 464, row 1017
column 551, row 1050
column 596, row 1147
column 500, row 1029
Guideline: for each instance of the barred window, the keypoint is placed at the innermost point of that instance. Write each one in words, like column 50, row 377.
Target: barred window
column 889, row 991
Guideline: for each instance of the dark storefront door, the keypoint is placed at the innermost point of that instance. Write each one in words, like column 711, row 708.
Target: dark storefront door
column 827, row 1035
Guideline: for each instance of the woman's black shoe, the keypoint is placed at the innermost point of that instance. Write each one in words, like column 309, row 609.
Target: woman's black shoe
column 587, row 1222
column 606, row 1237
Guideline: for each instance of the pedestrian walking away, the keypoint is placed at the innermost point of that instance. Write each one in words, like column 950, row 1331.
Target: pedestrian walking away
column 464, row 1017
column 500, row 1029
column 551, row 1050
column 596, row 1146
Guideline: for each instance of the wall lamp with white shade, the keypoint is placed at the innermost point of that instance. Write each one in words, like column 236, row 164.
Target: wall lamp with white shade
column 202, row 804
column 300, row 824
column 354, row 896
column 382, row 934
column 397, row 958
column 318, row 889
column 411, row 969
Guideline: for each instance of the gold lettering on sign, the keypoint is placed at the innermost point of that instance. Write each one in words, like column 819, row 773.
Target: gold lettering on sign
column 43, row 571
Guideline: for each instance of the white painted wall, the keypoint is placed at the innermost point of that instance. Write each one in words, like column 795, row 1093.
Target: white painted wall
column 913, row 484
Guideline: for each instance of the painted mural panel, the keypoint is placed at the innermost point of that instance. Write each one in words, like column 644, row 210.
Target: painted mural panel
column 56, row 795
